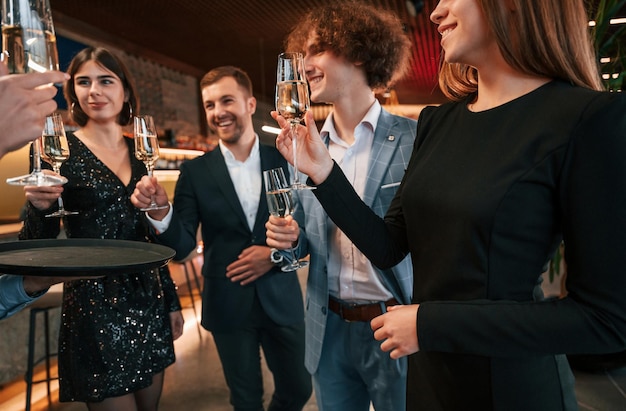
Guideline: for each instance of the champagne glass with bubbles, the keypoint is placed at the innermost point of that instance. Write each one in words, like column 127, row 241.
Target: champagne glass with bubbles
column 29, row 45
column 292, row 100
column 147, row 149
column 281, row 204
column 55, row 151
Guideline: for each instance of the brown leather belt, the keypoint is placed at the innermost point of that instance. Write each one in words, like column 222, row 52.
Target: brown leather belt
column 358, row 312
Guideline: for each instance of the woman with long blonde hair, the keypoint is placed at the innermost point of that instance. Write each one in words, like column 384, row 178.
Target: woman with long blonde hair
column 529, row 153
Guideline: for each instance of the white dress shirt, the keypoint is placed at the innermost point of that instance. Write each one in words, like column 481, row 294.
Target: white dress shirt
column 351, row 276
column 246, row 177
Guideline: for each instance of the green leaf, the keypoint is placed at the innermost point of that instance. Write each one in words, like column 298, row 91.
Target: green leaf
column 610, row 41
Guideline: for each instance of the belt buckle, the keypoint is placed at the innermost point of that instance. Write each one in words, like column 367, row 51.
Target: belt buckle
column 349, row 306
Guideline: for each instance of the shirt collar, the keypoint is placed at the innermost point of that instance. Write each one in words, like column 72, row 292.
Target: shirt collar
column 229, row 157
column 370, row 119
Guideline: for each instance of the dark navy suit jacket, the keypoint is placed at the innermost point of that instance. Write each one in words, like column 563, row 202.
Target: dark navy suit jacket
column 205, row 196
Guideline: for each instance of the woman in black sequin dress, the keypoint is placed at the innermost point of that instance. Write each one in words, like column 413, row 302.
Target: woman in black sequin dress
column 117, row 332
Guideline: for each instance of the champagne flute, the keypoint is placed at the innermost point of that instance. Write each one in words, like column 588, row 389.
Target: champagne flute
column 28, row 38
column 147, row 150
column 292, row 101
column 29, row 45
column 55, row 151
column 280, row 203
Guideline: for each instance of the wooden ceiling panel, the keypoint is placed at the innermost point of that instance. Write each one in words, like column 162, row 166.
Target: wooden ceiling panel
column 194, row 36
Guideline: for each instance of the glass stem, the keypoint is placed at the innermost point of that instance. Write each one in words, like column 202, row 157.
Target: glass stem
column 60, row 202
column 294, row 147
column 57, row 169
column 293, row 256
column 36, row 157
column 150, row 167
column 293, row 251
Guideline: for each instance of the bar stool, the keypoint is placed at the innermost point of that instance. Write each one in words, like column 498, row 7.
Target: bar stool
column 189, row 266
column 52, row 299
column 188, row 262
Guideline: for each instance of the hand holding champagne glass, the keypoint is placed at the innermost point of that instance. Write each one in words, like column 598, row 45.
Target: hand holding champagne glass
column 280, row 203
column 29, row 45
column 147, row 150
column 55, row 151
column 292, row 100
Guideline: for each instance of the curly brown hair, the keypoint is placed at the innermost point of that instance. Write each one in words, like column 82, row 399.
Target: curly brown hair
column 360, row 33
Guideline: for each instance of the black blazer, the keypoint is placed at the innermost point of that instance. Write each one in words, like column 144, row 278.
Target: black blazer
column 205, row 195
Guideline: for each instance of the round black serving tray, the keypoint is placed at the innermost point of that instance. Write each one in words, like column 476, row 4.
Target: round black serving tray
column 80, row 257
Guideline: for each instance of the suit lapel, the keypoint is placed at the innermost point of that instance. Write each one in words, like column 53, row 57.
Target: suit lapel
column 383, row 148
column 221, row 177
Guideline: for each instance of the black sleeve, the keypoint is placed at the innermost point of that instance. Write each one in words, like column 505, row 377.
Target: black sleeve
column 382, row 241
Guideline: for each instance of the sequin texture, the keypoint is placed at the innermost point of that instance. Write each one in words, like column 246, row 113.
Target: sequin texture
column 115, row 331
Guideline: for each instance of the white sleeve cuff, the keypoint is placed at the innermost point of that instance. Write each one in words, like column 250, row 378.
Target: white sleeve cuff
column 163, row 225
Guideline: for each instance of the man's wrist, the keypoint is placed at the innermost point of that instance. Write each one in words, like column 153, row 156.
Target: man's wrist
column 34, row 287
column 162, row 225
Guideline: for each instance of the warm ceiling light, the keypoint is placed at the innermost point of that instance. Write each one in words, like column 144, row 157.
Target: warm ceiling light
column 271, row 130
column 620, row 20
column 608, row 76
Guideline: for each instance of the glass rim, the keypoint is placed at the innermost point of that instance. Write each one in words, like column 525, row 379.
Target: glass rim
column 144, row 116
column 290, row 55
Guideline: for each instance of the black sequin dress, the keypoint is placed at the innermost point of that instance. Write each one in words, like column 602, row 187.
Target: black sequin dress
column 115, row 331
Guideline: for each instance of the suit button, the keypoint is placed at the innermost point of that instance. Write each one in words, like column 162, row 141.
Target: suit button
column 324, row 310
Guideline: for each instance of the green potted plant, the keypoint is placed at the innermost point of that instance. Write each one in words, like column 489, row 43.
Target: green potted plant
column 610, row 43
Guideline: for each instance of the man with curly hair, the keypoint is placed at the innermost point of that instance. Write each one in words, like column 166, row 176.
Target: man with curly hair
column 351, row 50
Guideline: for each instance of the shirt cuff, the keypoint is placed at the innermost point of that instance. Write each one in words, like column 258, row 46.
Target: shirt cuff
column 163, row 225
column 13, row 297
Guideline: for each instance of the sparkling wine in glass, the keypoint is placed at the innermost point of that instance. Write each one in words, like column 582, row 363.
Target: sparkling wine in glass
column 28, row 38
column 281, row 204
column 292, row 100
column 29, row 45
column 55, row 151
column 147, row 150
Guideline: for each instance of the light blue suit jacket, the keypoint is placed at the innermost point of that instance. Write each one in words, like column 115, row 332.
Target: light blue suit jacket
column 391, row 150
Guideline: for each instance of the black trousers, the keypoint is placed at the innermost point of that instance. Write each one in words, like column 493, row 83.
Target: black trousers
column 283, row 348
